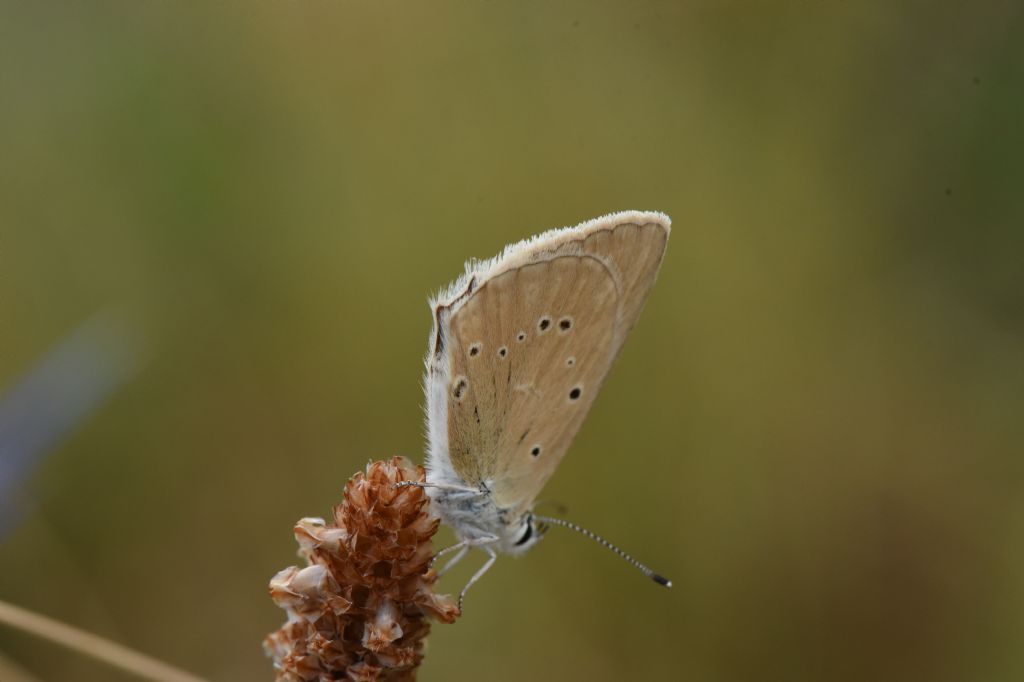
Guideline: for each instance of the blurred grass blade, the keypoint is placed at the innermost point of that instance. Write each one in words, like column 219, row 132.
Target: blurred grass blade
column 91, row 645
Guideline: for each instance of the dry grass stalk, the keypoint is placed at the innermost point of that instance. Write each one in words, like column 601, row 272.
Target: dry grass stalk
column 92, row 645
column 359, row 610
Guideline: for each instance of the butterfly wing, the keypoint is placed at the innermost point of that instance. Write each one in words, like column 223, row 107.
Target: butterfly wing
column 523, row 342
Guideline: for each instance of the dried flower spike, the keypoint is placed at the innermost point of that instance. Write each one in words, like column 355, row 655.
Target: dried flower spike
column 358, row 611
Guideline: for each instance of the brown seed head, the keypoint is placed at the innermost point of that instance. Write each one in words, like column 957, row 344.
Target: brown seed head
column 359, row 609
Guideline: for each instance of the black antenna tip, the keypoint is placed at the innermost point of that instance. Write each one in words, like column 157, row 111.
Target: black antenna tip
column 661, row 580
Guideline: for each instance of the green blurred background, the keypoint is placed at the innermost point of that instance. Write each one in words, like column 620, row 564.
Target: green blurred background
column 816, row 429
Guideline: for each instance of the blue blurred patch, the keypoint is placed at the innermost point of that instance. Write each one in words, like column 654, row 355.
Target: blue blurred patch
column 69, row 384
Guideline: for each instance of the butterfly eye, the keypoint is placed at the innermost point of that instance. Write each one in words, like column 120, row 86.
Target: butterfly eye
column 544, row 323
column 565, row 324
column 535, row 451
column 575, row 393
column 521, row 336
column 474, row 349
column 502, row 352
column 527, row 534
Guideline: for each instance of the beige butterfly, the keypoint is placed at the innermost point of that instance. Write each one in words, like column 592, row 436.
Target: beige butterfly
column 520, row 347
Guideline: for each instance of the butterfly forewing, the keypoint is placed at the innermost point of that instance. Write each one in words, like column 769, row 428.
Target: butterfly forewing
column 524, row 344
column 633, row 252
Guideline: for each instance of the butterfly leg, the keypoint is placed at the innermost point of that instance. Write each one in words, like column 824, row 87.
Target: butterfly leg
column 479, row 574
column 448, row 488
column 462, row 547
column 454, row 560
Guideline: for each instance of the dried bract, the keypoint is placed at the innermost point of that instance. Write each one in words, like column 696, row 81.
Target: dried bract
column 359, row 610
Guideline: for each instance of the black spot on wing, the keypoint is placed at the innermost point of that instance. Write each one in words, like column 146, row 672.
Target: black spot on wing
column 459, row 389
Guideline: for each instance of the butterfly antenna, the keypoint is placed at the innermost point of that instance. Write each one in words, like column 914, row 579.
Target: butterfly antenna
column 661, row 580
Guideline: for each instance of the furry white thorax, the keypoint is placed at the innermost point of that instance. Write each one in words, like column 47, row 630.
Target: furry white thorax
column 477, row 520
column 470, row 512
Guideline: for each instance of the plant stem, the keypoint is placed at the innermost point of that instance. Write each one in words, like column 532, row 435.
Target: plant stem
column 91, row 645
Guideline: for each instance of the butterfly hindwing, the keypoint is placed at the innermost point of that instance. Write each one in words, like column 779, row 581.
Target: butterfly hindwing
column 523, row 343
column 529, row 351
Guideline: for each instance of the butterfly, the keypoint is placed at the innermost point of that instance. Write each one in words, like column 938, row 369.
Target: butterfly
column 520, row 346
